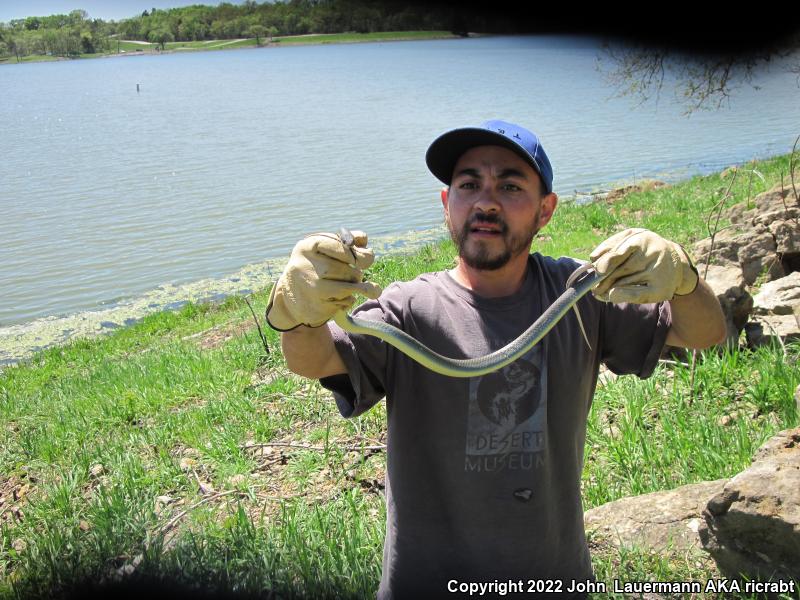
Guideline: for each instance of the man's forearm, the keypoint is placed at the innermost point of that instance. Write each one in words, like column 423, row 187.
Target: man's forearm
column 697, row 319
column 310, row 352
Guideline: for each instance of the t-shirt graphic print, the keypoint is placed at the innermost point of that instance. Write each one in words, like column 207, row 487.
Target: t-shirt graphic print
column 508, row 417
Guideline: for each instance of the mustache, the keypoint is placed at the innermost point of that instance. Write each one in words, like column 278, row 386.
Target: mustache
column 490, row 219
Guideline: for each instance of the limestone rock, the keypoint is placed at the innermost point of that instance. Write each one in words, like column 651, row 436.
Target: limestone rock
column 797, row 398
column 660, row 521
column 787, row 236
column 725, row 249
column 768, row 329
column 777, row 203
column 723, row 278
column 752, row 526
column 644, row 186
column 764, row 238
column 779, row 296
column 728, row 284
column 757, row 254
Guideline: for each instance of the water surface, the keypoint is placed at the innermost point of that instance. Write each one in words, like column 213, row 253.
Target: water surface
column 115, row 199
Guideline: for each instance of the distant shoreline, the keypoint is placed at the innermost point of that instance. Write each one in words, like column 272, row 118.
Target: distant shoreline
column 142, row 48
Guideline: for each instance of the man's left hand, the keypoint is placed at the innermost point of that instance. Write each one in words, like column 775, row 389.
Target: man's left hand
column 642, row 267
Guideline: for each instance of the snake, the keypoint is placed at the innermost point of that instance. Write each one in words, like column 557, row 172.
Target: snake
column 579, row 283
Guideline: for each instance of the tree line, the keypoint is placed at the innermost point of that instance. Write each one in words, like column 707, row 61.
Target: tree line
column 76, row 33
column 56, row 35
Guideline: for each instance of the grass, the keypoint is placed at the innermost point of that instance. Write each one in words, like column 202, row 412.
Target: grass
column 378, row 36
column 177, row 449
column 131, row 47
column 28, row 59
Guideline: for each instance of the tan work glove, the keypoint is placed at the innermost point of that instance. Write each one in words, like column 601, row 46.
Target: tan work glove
column 642, row 267
column 319, row 280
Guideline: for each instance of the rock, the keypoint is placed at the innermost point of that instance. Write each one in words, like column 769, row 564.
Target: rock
column 787, row 236
column 237, row 480
column 724, row 252
column 753, row 251
column 659, row 521
column 752, row 526
column 779, row 297
column 776, row 204
column 619, row 193
column 723, row 278
column 797, row 398
column 758, row 254
column 768, row 329
column 737, row 303
column 764, row 238
column 605, row 376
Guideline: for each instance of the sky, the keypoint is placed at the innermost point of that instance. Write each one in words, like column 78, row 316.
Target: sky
column 97, row 9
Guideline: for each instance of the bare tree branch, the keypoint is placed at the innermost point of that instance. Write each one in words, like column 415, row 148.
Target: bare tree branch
column 703, row 81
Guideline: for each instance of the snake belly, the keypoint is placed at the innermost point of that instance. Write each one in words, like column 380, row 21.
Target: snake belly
column 473, row 367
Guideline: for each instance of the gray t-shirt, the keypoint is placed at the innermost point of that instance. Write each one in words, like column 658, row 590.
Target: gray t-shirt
column 483, row 474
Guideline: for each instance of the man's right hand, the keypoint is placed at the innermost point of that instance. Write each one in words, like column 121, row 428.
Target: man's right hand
column 319, row 280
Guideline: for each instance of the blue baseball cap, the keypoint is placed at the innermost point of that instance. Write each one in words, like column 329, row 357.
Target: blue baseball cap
column 444, row 152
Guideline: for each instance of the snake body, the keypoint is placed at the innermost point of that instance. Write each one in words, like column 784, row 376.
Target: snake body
column 471, row 367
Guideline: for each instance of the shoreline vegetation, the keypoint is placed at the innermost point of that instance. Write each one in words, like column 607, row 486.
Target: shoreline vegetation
column 180, row 453
column 250, row 24
column 127, row 48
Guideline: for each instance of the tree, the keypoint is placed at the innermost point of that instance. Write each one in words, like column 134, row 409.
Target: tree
column 131, row 29
column 78, row 16
column 90, row 43
column 191, row 28
column 160, row 37
column 257, row 31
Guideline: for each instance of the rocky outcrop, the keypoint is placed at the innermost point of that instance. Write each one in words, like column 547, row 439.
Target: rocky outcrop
column 746, row 527
column 752, row 526
column 771, row 329
column 762, row 245
column 661, row 521
column 778, row 297
column 728, row 284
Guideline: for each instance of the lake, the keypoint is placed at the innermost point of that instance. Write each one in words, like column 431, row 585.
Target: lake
column 117, row 202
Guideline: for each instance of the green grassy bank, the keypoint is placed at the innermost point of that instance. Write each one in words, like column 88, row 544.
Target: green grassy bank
column 179, row 448
column 131, row 47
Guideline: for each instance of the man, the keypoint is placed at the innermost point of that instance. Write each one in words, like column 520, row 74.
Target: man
column 483, row 473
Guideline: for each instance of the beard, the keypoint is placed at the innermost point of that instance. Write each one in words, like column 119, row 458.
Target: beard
column 478, row 255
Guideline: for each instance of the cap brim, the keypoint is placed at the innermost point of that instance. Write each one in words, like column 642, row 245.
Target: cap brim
column 444, row 152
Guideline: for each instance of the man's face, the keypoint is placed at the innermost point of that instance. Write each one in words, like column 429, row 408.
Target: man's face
column 495, row 206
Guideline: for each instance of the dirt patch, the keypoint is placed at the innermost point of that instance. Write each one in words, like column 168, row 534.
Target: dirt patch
column 620, row 193
column 15, row 491
column 220, row 334
column 267, row 374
